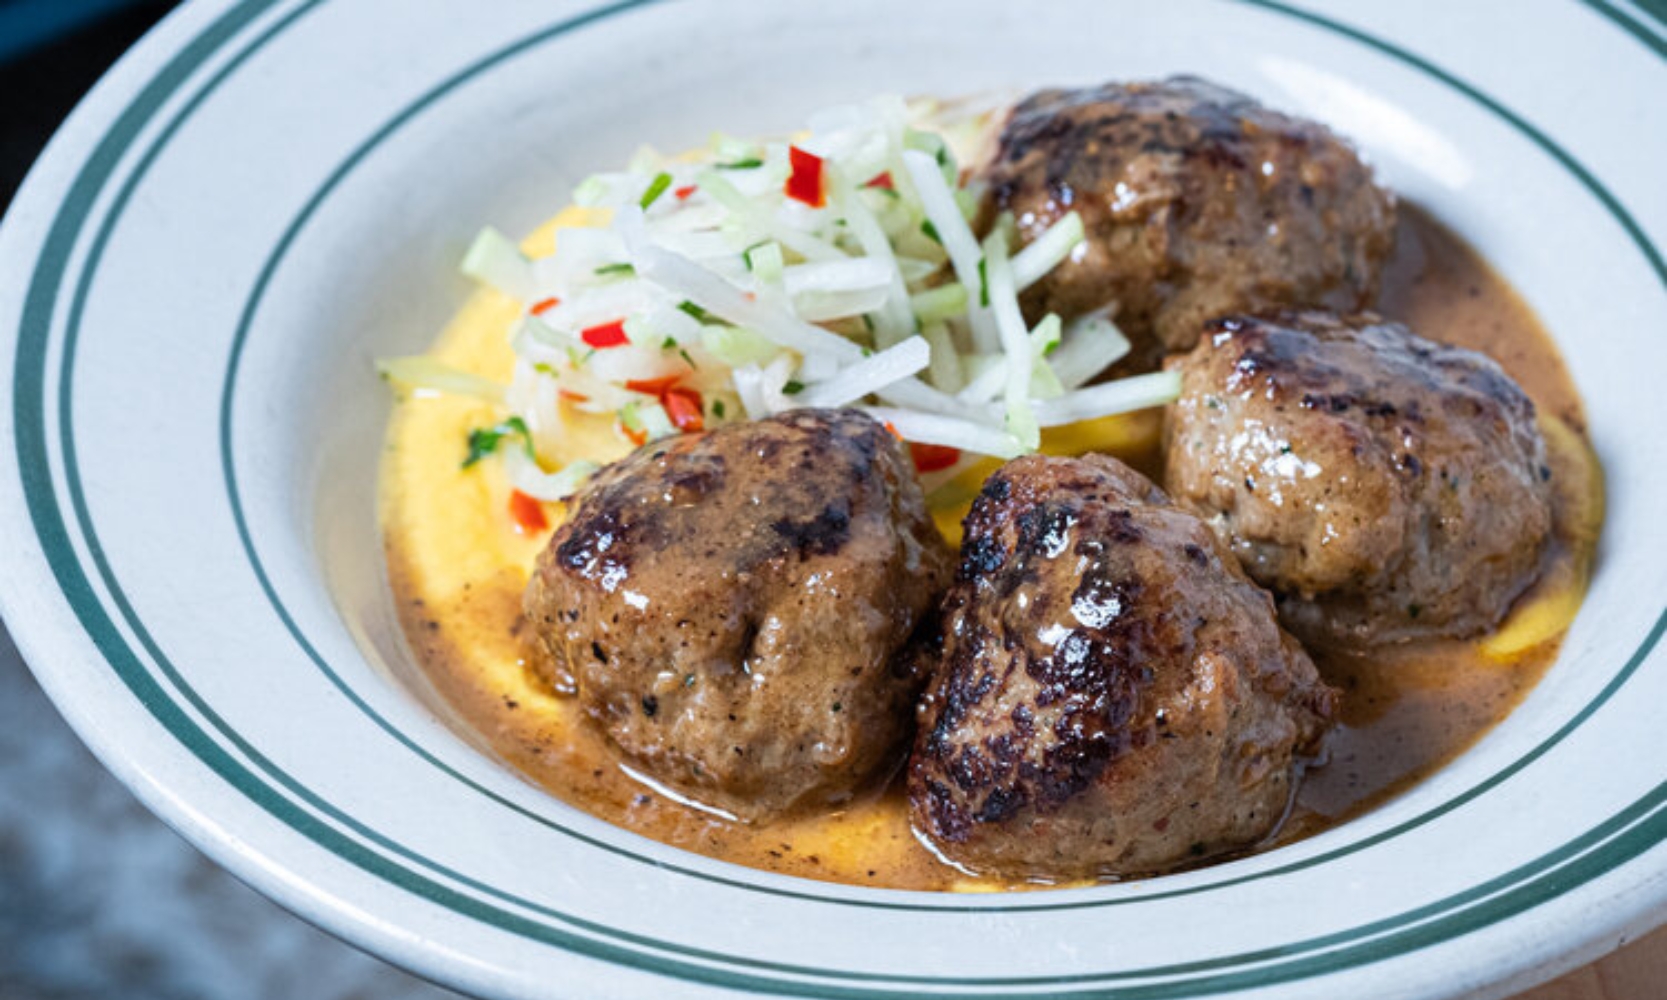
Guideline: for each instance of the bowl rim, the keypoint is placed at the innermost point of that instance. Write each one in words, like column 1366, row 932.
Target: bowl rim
column 1638, row 830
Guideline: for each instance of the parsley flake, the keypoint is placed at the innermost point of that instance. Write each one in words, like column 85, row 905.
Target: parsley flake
column 696, row 311
column 483, row 441
column 656, row 188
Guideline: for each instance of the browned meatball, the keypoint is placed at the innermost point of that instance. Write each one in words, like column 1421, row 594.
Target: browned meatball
column 1112, row 696
column 1384, row 486
column 730, row 606
column 1198, row 202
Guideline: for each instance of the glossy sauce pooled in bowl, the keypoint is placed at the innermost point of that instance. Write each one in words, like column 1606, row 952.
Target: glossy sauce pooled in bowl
column 458, row 569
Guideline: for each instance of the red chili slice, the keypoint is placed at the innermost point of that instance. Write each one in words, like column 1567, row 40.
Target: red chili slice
column 684, row 192
column 652, row 386
column 572, row 397
column 543, row 306
column 638, row 438
column 683, row 406
column 881, row 180
column 528, row 514
column 933, row 457
column 605, row 335
column 805, row 182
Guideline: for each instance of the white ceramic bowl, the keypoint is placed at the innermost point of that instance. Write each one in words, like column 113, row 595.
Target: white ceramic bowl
column 265, row 195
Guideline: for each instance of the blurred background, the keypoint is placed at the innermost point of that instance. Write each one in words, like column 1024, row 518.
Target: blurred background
column 97, row 898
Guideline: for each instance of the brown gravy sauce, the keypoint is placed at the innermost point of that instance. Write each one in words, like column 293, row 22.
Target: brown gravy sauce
column 1397, row 724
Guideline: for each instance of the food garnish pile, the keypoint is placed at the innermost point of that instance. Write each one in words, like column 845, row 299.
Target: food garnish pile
column 751, row 278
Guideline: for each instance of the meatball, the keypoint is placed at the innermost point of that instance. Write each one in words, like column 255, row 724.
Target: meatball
column 1198, row 202
column 1385, row 487
column 730, row 605
column 1112, row 696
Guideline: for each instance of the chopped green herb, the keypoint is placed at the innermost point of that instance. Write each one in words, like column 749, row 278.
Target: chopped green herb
column 931, row 231
column 718, row 408
column 696, row 311
column 617, row 268
column 656, row 188
column 838, row 705
column 750, row 163
column 688, row 680
column 746, row 255
column 483, row 441
column 544, row 369
column 983, row 284
column 683, row 352
column 792, row 388
column 668, row 344
column 868, row 322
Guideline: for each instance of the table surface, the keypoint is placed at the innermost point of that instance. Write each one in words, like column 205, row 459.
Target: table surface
column 1636, row 972
column 100, row 899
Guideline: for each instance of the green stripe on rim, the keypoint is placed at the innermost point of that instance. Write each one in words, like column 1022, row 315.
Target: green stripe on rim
column 1635, row 830
column 1656, row 9
column 1631, row 25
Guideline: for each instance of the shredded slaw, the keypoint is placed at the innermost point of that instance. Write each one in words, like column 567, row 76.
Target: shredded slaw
column 840, row 269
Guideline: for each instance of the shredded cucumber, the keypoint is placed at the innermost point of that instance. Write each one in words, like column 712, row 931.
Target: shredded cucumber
column 732, row 284
column 424, row 373
column 493, row 259
column 736, row 346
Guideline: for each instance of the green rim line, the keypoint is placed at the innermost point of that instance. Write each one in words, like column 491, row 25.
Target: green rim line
column 1578, row 855
column 1656, row 9
column 1631, row 25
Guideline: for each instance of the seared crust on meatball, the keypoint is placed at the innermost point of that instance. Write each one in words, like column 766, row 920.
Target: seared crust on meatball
column 1111, row 695
column 730, row 606
column 1198, row 202
column 1386, row 487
